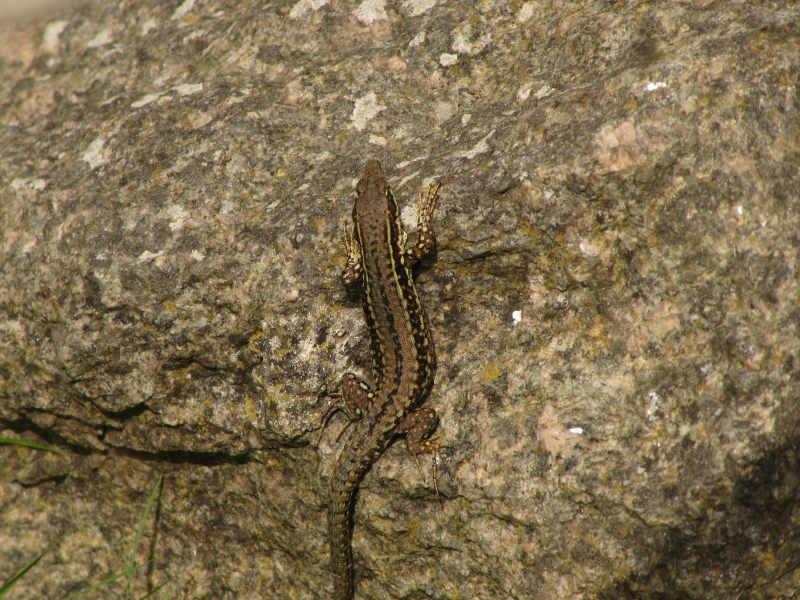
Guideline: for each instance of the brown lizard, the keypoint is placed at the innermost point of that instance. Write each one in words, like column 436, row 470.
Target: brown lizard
column 401, row 346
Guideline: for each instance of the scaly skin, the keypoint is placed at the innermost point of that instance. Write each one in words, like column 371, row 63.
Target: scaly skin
column 403, row 356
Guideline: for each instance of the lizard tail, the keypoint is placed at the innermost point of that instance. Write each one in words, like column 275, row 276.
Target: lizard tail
column 340, row 532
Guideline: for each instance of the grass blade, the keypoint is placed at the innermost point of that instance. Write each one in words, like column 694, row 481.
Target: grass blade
column 28, row 444
column 148, row 508
column 111, row 579
column 145, row 597
column 10, row 583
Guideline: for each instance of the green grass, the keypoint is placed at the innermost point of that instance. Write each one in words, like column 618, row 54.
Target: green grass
column 28, row 444
column 133, row 566
column 11, row 582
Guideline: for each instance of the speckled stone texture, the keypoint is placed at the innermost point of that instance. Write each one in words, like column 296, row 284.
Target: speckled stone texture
column 614, row 300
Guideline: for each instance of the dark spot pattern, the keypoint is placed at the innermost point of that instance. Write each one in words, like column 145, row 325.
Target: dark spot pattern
column 401, row 348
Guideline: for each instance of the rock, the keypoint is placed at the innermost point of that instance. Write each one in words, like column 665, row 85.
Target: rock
column 614, row 300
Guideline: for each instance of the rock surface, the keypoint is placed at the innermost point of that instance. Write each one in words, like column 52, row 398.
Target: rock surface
column 614, row 300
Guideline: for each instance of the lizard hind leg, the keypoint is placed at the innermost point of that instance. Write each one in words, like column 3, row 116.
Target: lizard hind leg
column 419, row 426
column 353, row 399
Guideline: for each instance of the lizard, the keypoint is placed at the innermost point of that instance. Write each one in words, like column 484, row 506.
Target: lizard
column 401, row 348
